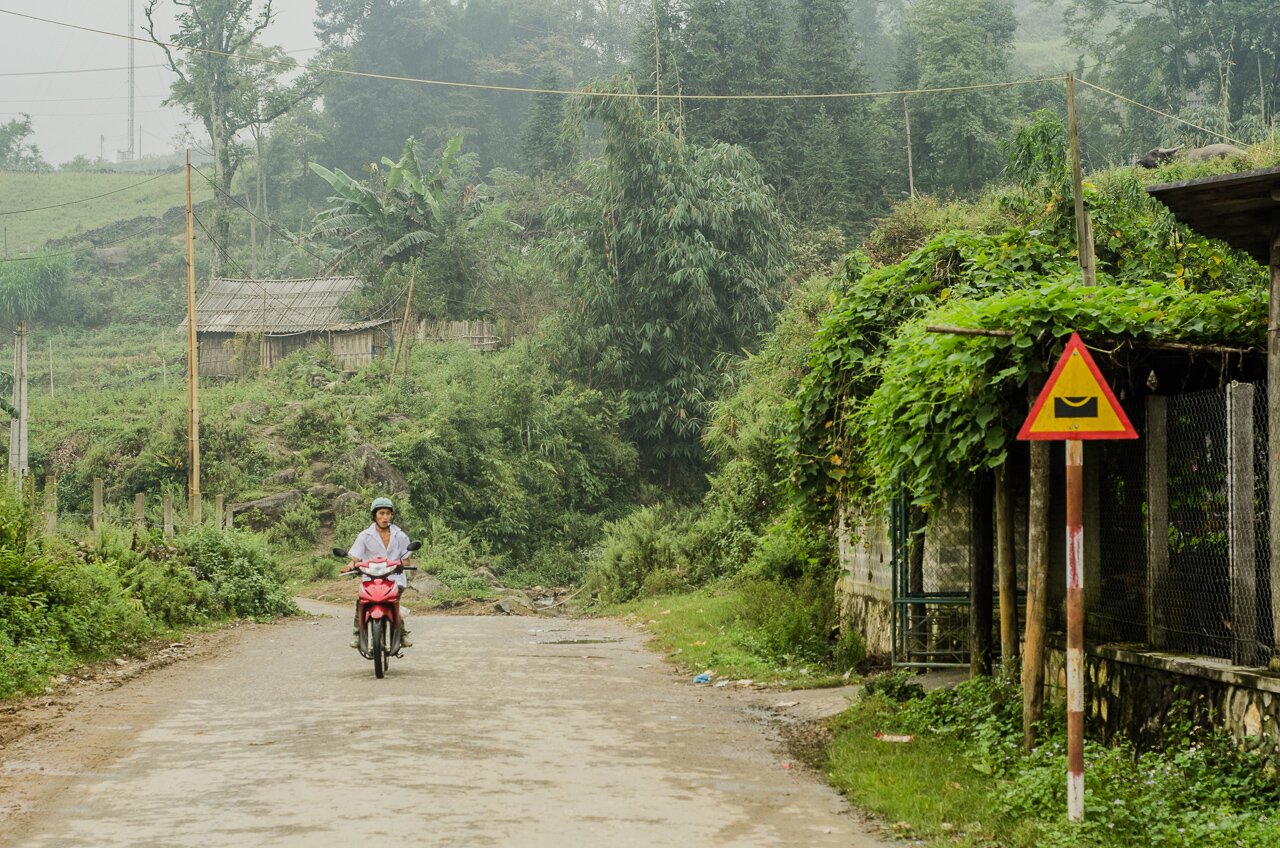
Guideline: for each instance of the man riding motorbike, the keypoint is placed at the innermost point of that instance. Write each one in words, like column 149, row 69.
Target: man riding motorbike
column 381, row 539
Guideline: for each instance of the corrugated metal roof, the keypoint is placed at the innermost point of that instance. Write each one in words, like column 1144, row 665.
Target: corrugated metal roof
column 276, row 306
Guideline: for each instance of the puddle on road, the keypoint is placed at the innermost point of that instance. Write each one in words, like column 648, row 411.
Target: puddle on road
column 580, row 642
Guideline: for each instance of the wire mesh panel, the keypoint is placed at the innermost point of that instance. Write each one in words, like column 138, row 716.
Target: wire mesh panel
column 1195, row 600
column 1262, row 517
column 1120, row 611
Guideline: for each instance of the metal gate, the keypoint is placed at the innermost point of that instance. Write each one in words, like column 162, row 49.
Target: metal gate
column 931, row 557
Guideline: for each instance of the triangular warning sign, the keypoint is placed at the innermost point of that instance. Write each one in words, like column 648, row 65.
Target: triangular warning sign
column 1076, row 403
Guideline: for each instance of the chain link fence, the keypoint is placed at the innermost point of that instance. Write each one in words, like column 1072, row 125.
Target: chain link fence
column 1183, row 556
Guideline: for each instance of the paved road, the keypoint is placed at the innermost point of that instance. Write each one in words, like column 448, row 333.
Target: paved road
column 496, row 731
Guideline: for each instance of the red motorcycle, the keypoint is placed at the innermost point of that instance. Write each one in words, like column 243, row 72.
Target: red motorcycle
column 378, row 608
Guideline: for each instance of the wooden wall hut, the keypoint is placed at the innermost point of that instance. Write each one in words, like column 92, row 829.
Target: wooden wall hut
column 244, row 325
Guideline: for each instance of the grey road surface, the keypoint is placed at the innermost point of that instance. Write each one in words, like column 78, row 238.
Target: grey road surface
column 493, row 731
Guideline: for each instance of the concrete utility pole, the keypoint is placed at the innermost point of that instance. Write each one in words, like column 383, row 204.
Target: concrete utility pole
column 193, row 367
column 18, row 429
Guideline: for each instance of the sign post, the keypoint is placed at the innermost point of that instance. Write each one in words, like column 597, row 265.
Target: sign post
column 1076, row 404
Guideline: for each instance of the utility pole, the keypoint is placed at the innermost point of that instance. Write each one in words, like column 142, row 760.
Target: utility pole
column 130, row 154
column 911, row 170
column 193, row 369
column 18, row 429
column 402, row 344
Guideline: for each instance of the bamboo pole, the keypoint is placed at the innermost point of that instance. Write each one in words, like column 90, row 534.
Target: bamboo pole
column 193, row 368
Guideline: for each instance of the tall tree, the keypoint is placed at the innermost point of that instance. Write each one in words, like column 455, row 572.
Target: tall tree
column 16, row 153
column 1217, row 62
column 950, row 43
column 225, row 92
column 675, row 252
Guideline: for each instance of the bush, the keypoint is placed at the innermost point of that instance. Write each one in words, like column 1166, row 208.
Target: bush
column 246, row 580
column 634, row 547
column 298, row 528
column 787, row 623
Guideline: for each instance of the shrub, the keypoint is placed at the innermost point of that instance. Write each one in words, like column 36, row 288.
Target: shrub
column 298, row 528
column 245, row 578
column 634, row 547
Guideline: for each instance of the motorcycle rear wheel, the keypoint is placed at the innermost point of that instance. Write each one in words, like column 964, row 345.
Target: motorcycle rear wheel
column 377, row 647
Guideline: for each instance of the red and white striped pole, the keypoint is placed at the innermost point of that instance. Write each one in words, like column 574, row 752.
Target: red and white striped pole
column 1075, row 630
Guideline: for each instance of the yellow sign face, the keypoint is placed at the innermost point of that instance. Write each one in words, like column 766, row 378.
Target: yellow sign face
column 1076, row 403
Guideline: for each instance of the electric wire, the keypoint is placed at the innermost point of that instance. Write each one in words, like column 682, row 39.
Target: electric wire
column 1164, row 114
column 131, row 187
column 633, row 95
column 295, row 239
column 247, row 278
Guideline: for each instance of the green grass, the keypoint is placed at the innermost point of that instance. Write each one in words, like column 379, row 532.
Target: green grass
column 701, row 631
column 30, row 230
column 924, row 790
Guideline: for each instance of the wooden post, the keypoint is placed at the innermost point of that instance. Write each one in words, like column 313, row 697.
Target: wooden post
column 1273, row 443
column 1007, row 570
column 217, row 511
column 231, row 519
column 50, row 366
column 193, row 367
column 1157, row 518
column 1246, row 647
column 1037, row 593
column 1075, row 630
column 18, row 428
column 403, row 341
column 168, row 516
column 1084, row 231
column 97, row 504
column 50, row 505
column 981, row 576
column 911, row 169
column 139, row 513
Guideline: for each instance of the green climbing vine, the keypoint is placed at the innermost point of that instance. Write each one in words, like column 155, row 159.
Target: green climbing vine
column 886, row 401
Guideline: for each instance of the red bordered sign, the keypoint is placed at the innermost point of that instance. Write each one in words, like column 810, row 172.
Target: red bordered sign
column 1076, row 403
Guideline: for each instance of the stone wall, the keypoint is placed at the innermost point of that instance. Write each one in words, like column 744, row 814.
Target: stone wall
column 1134, row 692
column 864, row 592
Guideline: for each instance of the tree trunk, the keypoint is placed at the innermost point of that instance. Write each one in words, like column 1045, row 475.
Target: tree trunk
column 1007, row 568
column 1037, row 589
column 981, row 573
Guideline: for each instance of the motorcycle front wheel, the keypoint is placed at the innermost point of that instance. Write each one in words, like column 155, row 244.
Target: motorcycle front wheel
column 377, row 647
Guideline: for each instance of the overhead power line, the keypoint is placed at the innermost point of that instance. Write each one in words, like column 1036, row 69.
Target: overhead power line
column 94, row 197
column 104, row 70
column 1164, row 114
column 530, row 90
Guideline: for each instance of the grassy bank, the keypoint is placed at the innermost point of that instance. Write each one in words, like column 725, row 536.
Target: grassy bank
column 65, row 603
column 30, row 230
column 714, row 629
column 964, row 780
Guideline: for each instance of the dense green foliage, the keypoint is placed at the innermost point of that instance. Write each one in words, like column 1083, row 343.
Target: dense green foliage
column 61, row 606
column 1197, row 789
column 675, row 255
column 16, row 152
column 887, row 402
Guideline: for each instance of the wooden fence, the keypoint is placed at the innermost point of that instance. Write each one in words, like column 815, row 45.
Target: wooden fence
column 99, row 517
column 480, row 335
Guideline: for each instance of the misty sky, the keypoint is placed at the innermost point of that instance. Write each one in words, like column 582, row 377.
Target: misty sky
column 70, row 112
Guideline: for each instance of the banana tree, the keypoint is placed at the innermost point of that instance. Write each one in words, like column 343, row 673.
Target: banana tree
column 396, row 215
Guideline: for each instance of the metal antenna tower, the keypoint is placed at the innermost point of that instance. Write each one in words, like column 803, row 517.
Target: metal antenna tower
column 130, row 152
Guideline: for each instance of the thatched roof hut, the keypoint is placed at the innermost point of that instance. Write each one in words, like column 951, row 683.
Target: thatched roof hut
column 246, row 324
